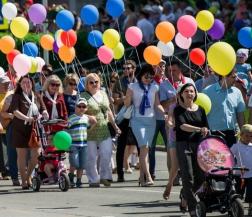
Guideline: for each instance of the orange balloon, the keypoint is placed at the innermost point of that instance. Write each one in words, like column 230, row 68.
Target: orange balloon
column 66, row 54
column 165, row 31
column 7, row 44
column 152, row 55
column 46, row 42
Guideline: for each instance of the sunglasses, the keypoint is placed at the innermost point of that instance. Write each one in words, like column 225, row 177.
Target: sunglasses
column 55, row 85
column 93, row 82
column 81, row 106
column 72, row 84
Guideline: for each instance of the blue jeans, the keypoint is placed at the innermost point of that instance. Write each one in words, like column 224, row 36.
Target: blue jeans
column 160, row 127
column 12, row 154
column 78, row 157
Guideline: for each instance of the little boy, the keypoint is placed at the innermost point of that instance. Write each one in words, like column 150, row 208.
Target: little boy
column 78, row 123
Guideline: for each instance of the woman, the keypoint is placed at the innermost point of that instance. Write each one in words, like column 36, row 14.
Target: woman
column 25, row 106
column 144, row 97
column 190, row 125
column 70, row 92
column 54, row 101
column 98, row 136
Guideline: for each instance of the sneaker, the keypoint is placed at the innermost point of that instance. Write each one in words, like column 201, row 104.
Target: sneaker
column 71, row 179
column 15, row 182
column 78, row 183
column 94, row 185
column 105, row 182
column 129, row 171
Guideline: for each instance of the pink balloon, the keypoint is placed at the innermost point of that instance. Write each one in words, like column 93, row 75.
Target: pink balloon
column 182, row 41
column 134, row 36
column 105, row 54
column 22, row 64
column 41, row 63
column 187, row 25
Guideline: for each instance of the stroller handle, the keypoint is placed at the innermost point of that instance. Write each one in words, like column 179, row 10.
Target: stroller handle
column 218, row 168
column 53, row 121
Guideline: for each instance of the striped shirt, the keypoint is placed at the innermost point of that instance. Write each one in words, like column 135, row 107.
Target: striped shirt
column 77, row 128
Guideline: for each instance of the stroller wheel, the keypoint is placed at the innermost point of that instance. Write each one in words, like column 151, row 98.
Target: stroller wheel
column 200, row 209
column 236, row 208
column 64, row 182
column 35, row 183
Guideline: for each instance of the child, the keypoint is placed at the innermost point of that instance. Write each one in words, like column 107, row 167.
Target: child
column 77, row 125
column 243, row 152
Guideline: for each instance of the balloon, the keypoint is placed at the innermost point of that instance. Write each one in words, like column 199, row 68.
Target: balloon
column 245, row 37
column 105, row 54
column 182, row 41
column 55, row 47
column 46, row 42
column 11, row 55
column 187, row 26
column 134, row 36
column 118, row 51
column 115, row 8
column 221, row 58
column 58, row 37
column 89, row 15
column 197, row 56
column 165, row 31
column 62, row 140
column 65, row 20
column 9, row 11
column 69, row 38
column 19, row 27
column 152, row 55
column 205, row 20
column 7, row 44
column 111, row 38
column 204, row 101
column 95, row 38
column 37, row 13
column 30, row 49
column 66, row 54
column 167, row 49
column 41, row 63
column 34, row 65
column 217, row 31
column 22, row 64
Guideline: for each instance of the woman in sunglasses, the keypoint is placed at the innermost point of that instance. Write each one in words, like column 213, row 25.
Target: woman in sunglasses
column 70, row 92
column 54, row 100
column 99, row 136
column 144, row 97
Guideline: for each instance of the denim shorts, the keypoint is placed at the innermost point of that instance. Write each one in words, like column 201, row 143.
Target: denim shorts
column 78, row 157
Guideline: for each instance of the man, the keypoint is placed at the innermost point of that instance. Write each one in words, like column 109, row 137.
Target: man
column 119, row 93
column 227, row 112
column 160, row 122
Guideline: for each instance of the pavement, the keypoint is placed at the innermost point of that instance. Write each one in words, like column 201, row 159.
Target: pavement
column 120, row 200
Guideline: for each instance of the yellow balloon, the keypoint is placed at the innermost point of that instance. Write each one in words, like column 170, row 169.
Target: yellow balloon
column 111, row 38
column 19, row 27
column 205, row 20
column 118, row 51
column 204, row 101
column 34, row 65
column 221, row 58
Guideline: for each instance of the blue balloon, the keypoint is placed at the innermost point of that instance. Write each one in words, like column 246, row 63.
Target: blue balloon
column 30, row 49
column 65, row 20
column 81, row 85
column 95, row 38
column 115, row 8
column 245, row 37
column 89, row 15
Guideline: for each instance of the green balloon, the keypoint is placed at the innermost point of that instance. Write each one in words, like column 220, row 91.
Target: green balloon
column 62, row 140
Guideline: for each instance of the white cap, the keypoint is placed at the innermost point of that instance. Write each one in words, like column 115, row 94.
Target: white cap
column 242, row 52
column 81, row 101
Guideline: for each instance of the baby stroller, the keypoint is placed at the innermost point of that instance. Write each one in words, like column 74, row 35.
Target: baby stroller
column 217, row 193
column 57, row 156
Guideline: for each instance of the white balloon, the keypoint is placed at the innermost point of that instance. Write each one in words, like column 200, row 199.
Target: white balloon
column 22, row 64
column 41, row 63
column 182, row 41
column 9, row 11
column 167, row 49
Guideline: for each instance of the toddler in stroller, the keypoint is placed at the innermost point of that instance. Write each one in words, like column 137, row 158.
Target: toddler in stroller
column 217, row 193
column 51, row 168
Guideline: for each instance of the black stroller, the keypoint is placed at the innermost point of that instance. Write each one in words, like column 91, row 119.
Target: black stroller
column 217, row 193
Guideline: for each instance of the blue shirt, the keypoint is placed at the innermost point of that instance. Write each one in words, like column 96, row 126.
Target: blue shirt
column 226, row 103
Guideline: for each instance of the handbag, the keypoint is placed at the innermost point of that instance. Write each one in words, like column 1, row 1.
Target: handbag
column 34, row 138
column 124, row 113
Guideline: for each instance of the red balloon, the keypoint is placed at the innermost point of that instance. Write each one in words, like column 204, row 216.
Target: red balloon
column 10, row 56
column 69, row 38
column 197, row 56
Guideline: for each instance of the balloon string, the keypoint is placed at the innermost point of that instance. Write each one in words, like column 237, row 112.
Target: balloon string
column 189, row 62
column 77, row 72
column 171, row 69
column 138, row 58
column 108, row 89
column 118, row 26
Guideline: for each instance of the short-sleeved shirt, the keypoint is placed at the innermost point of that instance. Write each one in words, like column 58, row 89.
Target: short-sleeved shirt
column 100, row 131
column 204, row 82
column 77, row 128
column 195, row 118
column 137, row 99
column 226, row 103
column 243, row 70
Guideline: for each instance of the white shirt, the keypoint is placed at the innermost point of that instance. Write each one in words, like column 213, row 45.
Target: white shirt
column 147, row 29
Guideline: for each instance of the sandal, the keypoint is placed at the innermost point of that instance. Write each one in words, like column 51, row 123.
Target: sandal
column 167, row 192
